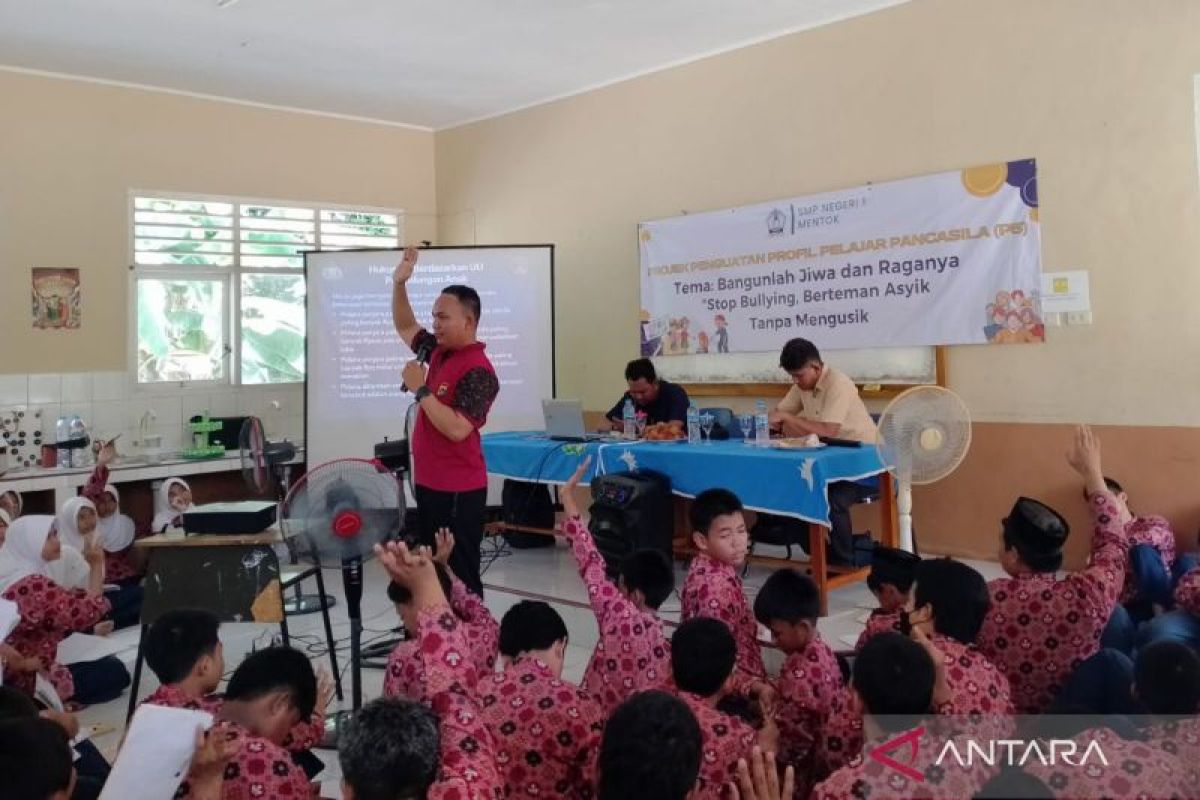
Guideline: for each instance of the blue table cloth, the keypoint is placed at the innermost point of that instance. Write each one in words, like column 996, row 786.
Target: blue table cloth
column 789, row 482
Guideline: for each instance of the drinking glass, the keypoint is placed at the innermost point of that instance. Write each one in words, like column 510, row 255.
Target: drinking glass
column 746, row 423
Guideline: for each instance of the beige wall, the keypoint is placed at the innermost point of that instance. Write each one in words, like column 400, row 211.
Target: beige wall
column 1099, row 91
column 71, row 151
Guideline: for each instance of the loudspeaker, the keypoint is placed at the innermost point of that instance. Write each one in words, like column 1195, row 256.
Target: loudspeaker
column 631, row 511
column 529, row 505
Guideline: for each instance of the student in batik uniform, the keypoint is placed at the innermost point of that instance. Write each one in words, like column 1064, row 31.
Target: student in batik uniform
column 631, row 654
column 1040, row 627
column 547, row 731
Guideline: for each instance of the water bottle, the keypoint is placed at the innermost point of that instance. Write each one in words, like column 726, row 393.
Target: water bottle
column 762, row 423
column 629, row 420
column 693, row 424
column 62, row 432
column 78, row 436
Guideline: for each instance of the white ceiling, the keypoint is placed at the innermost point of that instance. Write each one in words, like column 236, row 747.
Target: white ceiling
column 428, row 63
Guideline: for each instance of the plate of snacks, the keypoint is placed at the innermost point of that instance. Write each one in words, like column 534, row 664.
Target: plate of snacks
column 664, row 432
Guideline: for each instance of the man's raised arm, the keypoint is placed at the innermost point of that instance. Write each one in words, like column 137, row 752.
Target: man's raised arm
column 402, row 313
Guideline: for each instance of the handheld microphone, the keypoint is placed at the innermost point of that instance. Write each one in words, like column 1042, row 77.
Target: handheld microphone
column 424, row 349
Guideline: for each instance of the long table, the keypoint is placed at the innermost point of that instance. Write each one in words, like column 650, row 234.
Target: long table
column 788, row 482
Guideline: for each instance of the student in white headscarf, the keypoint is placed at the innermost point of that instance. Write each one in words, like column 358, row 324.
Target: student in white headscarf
column 78, row 529
column 50, row 612
column 10, row 501
column 122, row 564
column 77, row 523
column 173, row 498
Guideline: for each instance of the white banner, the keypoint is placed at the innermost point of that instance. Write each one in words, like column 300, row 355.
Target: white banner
column 952, row 258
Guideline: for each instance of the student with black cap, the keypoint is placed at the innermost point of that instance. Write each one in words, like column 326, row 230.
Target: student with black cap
column 891, row 580
column 1040, row 626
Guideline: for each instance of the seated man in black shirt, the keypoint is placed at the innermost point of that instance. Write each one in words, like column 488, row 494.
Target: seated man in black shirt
column 660, row 401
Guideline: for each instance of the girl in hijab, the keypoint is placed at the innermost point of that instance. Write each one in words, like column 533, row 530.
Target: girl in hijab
column 50, row 612
column 78, row 527
column 11, row 503
column 10, row 658
column 116, row 532
column 173, row 498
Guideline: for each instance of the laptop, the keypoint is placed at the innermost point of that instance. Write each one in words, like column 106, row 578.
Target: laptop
column 564, row 422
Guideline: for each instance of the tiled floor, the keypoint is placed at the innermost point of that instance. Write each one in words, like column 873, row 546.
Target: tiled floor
column 548, row 572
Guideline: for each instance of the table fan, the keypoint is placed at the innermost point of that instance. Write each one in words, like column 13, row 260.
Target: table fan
column 339, row 511
column 924, row 434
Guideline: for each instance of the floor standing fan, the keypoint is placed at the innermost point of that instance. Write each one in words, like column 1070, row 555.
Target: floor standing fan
column 338, row 512
column 924, row 434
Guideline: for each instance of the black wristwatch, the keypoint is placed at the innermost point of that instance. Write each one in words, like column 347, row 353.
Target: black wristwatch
column 421, row 393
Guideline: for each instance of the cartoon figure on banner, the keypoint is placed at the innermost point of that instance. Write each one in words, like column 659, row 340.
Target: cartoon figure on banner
column 702, row 342
column 652, row 335
column 57, row 302
column 685, row 338
column 722, row 334
column 1012, row 319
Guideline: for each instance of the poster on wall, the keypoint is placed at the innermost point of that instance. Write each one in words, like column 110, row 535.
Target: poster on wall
column 57, row 300
column 951, row 258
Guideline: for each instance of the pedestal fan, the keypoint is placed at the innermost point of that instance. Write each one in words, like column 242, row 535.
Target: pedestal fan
column 924, row 434
column 339, row 511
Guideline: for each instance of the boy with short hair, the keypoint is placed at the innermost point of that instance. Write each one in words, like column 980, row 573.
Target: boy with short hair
column 950, row 603
column 270, row 693
column 547, row 731
column 631, row 654
column 1039, row 627
column 713, row 587
column 404, row 676
column 810, row 679
column 183, row 649
column 890, row 580
column 897, row 682
column 703, row 653
column 35, row 760
column 651, row 750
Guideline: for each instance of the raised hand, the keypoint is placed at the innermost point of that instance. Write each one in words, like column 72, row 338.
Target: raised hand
column 443, row 546
column 413, row 569
column 567, row 493
column 404, row 270
column 107, row 452
column 1084, row 458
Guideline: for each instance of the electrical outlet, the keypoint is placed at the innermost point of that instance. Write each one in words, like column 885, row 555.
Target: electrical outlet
column 1079, row 318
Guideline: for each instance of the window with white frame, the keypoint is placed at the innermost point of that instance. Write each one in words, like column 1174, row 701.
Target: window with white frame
column 219, row 282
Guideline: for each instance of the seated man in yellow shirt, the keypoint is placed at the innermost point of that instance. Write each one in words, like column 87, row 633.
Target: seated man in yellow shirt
column 824, row 401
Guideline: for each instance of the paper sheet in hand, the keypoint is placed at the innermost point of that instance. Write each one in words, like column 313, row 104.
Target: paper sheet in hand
column 80, row 647
column 45, row 693
column 156, row 755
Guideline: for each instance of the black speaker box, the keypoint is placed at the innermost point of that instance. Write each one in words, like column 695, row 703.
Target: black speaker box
column 631, row 511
